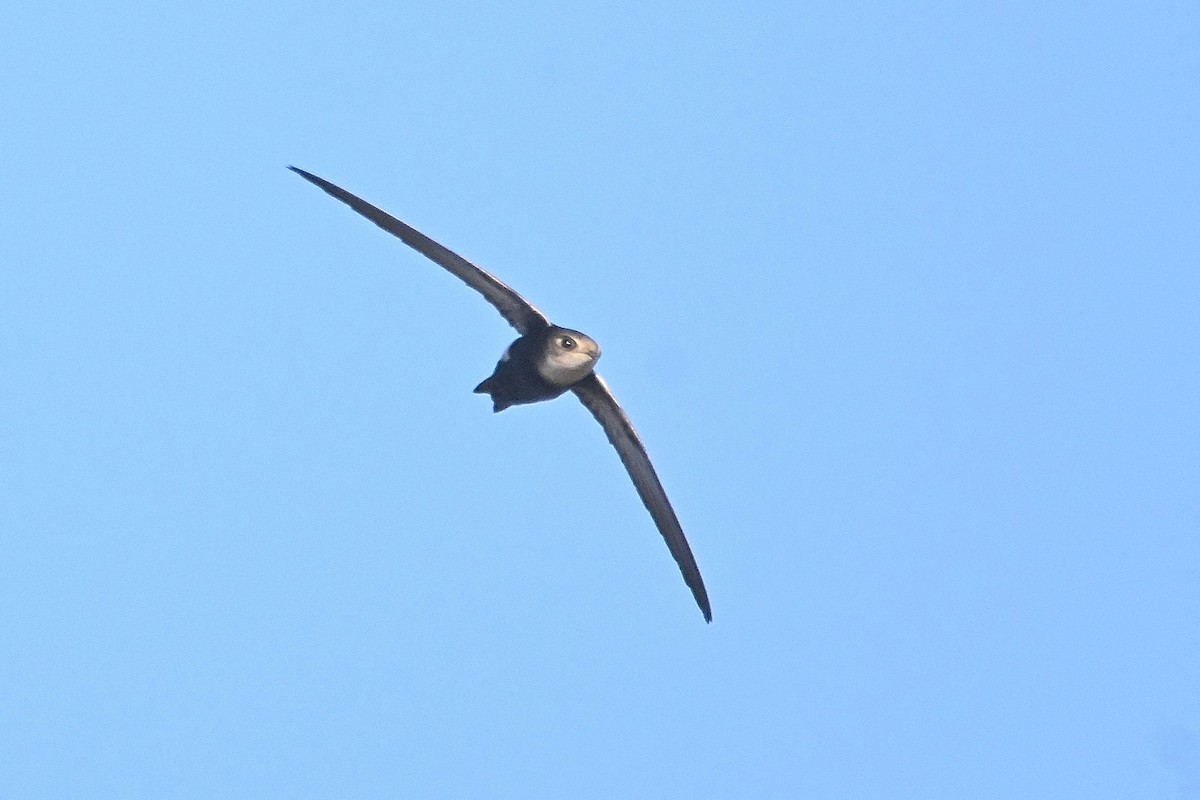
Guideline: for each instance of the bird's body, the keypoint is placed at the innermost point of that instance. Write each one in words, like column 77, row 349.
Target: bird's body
column 540, row 366
column 545, row 362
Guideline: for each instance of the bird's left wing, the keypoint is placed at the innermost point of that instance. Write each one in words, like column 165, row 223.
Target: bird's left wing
column 519, row 312
column 595, row 395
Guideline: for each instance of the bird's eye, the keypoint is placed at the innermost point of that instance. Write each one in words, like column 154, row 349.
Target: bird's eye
column 567, row 343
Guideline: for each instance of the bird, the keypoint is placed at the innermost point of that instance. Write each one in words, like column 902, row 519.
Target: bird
column 547, row 361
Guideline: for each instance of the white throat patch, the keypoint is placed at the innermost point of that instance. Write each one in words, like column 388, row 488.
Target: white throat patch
column 563, row 369
column 567, row 357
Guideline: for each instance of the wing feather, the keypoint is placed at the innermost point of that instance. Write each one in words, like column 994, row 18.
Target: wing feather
column 519, row 312
column 595, row 395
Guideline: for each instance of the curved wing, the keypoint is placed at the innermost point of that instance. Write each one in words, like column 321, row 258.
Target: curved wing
column 595, row 395
column 519, row 312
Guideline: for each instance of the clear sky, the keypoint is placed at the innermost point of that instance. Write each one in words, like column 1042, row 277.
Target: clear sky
column 904, row 300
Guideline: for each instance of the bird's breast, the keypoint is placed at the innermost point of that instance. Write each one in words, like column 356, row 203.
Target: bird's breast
column 563, row 371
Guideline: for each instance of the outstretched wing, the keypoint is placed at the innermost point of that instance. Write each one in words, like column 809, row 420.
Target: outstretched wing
column 595, row 395
column 519, row 312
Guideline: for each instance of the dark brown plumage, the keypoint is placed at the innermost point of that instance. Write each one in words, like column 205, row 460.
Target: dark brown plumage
column 539, row 366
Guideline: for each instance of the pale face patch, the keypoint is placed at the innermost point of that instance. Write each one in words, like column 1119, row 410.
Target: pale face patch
column 568, row 357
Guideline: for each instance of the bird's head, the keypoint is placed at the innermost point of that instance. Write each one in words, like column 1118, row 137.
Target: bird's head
column 567, row 356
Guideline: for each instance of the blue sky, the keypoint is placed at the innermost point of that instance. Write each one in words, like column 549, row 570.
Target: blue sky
column 903, row 299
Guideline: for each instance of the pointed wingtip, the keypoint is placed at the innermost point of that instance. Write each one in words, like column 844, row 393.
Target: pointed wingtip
column 701, row 597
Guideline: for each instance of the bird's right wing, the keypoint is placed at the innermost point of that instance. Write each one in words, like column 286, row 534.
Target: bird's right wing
column 519, row 312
